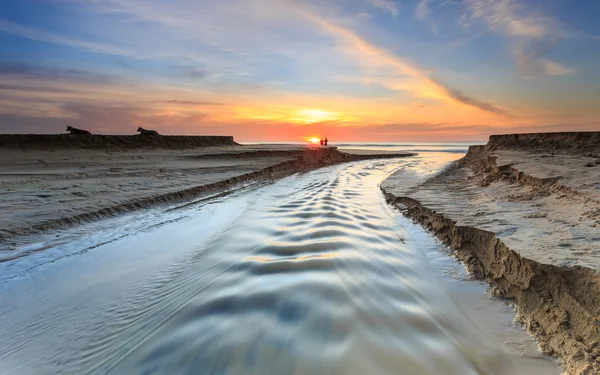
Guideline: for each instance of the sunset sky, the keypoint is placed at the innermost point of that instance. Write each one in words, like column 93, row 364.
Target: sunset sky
column 285, row 70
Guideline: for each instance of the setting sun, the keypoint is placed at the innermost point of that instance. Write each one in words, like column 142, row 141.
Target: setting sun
column 314, row 140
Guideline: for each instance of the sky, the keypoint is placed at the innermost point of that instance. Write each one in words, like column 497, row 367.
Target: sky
column 288, row 70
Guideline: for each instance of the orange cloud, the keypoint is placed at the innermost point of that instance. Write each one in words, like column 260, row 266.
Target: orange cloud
column 413, row 79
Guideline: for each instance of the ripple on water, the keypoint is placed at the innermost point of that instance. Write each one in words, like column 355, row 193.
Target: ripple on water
column 313, row 279
column 327, row 289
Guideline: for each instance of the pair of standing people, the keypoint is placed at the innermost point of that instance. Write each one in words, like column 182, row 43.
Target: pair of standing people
column 324, row 142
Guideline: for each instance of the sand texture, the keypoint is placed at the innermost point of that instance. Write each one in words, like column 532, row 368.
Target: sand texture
column 48, row 189
column 528, row 221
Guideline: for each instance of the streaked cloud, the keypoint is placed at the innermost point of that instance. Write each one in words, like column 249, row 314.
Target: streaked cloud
column 407, row 75
column 532, row 34
column 44, row 36
column 191, row 102
column 387, row 5
column 48, row 73
column 192, row 72
column 422, row 9
column 509, row 17
column 529, row 56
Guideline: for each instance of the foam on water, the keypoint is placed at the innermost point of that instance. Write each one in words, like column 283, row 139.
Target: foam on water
column 310, row 275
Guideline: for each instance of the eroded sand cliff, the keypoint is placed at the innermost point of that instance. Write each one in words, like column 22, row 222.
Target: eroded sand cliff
column 523, row 212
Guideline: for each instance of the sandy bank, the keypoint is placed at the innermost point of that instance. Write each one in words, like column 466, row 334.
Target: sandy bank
column 48, row 189
column 528, row 221
column 577, row 143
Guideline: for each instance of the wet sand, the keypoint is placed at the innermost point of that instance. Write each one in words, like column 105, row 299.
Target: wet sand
column 524, row 213
column 37, row 186
column 45, row 187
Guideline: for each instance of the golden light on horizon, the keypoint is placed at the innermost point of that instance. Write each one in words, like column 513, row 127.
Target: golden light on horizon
column 311, row 116
column 314, row 140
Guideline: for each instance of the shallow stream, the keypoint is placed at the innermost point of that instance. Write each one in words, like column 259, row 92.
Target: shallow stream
column 313, row 274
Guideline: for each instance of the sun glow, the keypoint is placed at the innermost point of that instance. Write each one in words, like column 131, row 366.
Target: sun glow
column 314, row 140
column 311, row 116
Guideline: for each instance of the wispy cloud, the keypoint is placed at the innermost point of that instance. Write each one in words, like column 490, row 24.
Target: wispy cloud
column 532, row 34
column 55, row 38
column 510, row 17
column 474, row 102
column 386, row 5
column 191, row 102
column 192, row 72
column 47, row 37
column 30, row 91
column 420, row 83
column 529, row 56
column 423, row 13
column 56, row 74
column 422, row 9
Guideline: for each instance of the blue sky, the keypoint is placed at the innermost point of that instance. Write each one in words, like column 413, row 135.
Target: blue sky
column 291, row 69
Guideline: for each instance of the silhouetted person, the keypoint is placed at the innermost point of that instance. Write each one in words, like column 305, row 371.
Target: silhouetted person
column 76, row 131
column 326, row 141
column 143, row 131
column 321, row 141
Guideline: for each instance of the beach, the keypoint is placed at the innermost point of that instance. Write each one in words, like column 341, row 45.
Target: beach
column 309, row 273
column 136, row 260
column 299, row 187
column 50, row 184
column 523, row 213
